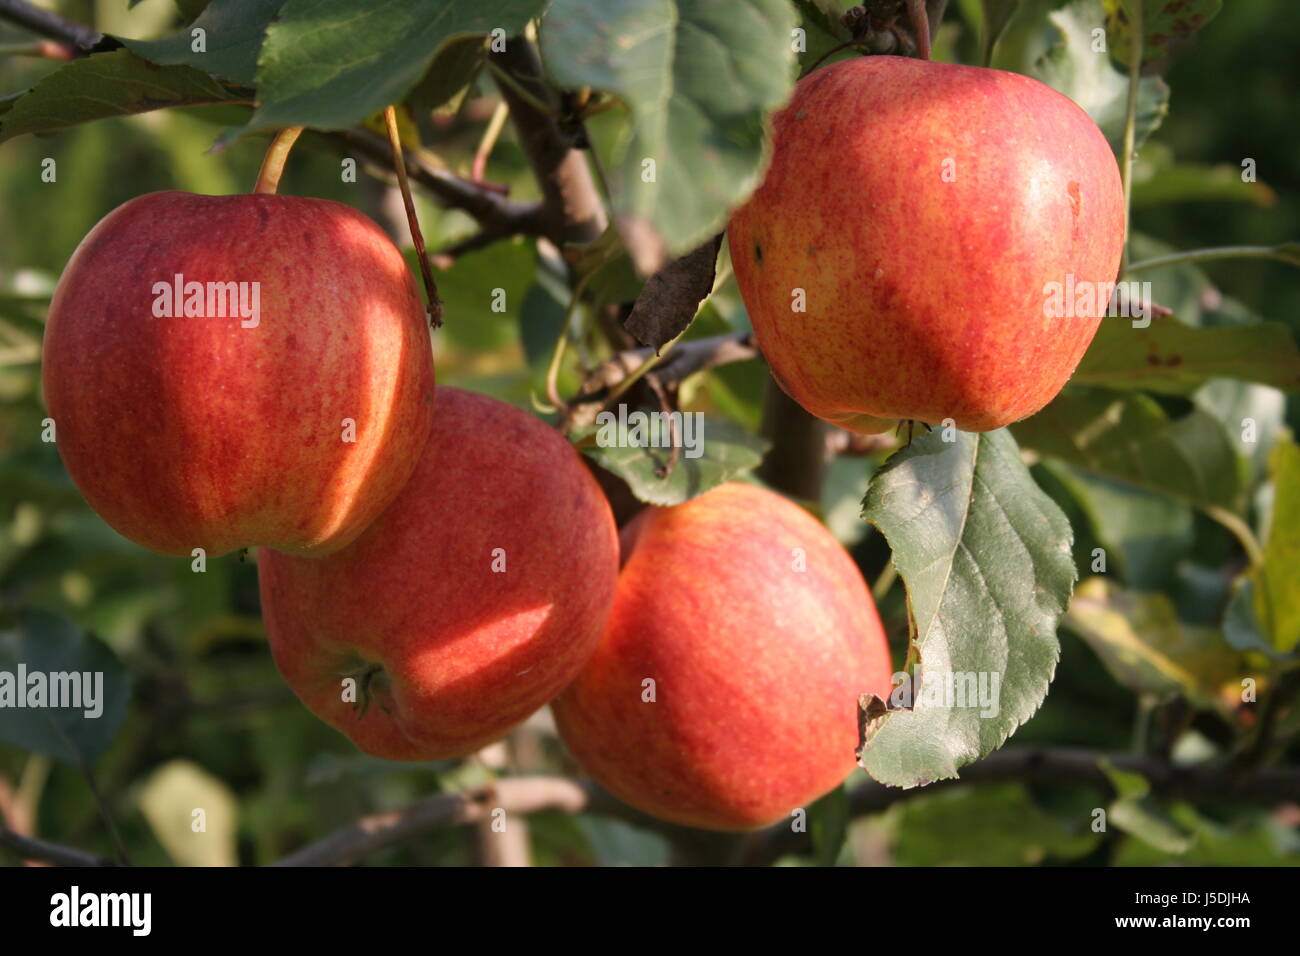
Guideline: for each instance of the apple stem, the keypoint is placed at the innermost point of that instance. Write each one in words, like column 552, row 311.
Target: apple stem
column 920, row 26
column 399, row 164
column 268, row 177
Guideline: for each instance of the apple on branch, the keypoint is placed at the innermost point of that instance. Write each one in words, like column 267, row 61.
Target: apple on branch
column 230, row 371
column 896, row 257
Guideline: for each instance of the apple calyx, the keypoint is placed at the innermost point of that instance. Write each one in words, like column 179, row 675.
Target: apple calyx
column 373, row 683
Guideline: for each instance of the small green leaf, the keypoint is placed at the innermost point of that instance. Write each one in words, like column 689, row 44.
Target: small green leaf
column 725, row 450
column 61, row 662
column 985, row 556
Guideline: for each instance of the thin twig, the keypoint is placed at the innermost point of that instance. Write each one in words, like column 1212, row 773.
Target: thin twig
column 31, row 848
column 47, row 24
column 417, row 237
column 1288, row 253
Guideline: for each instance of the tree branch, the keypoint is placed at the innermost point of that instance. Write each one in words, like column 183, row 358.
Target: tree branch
column 75, row 35
column 495, row 213
column 796, row 463
column 1070, row 767
column 519, row 795
column 574, row 212
column 681, row 362
column 1060, row 766
column 30, row 848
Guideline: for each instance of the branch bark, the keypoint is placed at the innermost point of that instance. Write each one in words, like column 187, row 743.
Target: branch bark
column 495, row 213
column 797, row 461
column 75, row 35
column 573, row 209
column 30, row 848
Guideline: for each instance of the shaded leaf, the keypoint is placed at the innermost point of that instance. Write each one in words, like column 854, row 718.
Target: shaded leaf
column 1144, row 534
column 995, row 825
column 49, row 650
column 103, row 85
column 1129, row 436
column 1171, row 357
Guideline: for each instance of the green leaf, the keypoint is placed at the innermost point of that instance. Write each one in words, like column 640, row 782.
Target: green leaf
column 1128, row 436
column 1165, row 23
column 483, row 292
column 997, row 825
column 1176, row 359
column 104, row 85
column 1148, row 649
column 1144, row 534
column 329, row 64
column 169, row 801
column 49, row 650
column 823, row 31
column 699, row 78
column 1253, row 839
column 616, row 843
column 828, row 825
column 1277, row 581
column 725, row 451
column 1158, row 179
column 450, row 73
column 233, row 31
column 997, row 14
column 985, row 556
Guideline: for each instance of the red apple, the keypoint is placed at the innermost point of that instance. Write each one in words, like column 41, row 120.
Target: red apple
column 924, row 210
column 469, row 604
column 724, row 691
column 230, row 427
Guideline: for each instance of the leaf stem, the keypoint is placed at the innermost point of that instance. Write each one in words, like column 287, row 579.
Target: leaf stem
column 1289, row 253
column 268, row 177
column 1136, row 36
column 1249, row 543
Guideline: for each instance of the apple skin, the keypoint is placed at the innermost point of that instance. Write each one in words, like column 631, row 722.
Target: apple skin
column 191, row 432
column 925, row 298
column 757, row 666
column 466, row 652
